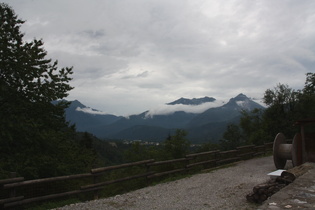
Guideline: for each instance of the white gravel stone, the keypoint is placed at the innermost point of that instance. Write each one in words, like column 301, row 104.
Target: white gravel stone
column 224, row 188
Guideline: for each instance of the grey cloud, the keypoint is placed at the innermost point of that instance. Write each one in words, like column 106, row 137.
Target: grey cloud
column 139, row 75
column 94, row 34
column 151, row 85
column 143, row 74
column 159, row 50
column 170, row 109
column 119, row 46
column 94, row 67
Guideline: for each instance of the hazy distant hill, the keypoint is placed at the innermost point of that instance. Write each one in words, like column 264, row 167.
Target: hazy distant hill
column 87, row 119
column 206, row 125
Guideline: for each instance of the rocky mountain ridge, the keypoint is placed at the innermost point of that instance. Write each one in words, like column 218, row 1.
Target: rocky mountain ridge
column 205, row 126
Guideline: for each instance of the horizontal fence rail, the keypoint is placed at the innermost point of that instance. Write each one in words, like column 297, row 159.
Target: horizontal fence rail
column 18, row 192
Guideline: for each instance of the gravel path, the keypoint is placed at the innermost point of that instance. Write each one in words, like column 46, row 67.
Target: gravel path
column 225, row 188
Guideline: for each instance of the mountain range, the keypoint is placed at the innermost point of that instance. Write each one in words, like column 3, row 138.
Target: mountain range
column 205, row 119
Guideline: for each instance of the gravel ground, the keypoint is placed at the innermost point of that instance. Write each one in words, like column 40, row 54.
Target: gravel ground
column 224, row 188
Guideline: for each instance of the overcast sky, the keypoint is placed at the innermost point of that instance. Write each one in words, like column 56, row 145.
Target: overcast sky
column 133, row 55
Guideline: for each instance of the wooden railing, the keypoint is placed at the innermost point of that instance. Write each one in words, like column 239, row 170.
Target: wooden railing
column 19, row 192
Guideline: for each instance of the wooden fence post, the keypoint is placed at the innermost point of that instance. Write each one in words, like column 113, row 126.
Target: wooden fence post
column 216, row 158
column 95, row 181
column 147, row 165
column 146, row 178
column 1, row 204
column 13, row 190
column 187, row 163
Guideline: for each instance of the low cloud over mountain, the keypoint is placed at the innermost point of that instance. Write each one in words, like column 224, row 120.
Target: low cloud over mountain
column 205, row 119
column 170, row 109
column 90, row 111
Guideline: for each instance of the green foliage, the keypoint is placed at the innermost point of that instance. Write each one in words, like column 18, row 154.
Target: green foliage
column 108, row 153
column 253, row 127
column 281, row 113
column 232, row 138
column 285, row 106
column 35, row 140
column 309, row 87
column 282, row 96
column 176, row 146
column 86, row 141
column 307, row 98
column 209, row 146
column 137, row 152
